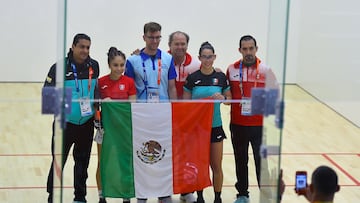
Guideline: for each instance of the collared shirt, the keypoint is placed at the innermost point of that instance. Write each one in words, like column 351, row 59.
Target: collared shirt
column 249, row 77
column 204, row 86
column 145, row 69
column 188, row 66
column 116, row 89
column 83, row 85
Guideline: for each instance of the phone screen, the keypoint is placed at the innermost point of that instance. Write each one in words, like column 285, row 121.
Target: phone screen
column 301, row 181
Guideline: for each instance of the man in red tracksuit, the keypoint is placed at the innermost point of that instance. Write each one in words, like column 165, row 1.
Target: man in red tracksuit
column 243, row 75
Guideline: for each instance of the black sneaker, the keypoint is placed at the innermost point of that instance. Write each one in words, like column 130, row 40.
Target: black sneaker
column 217, row 200
column 50, row 199
column 102, row 200
column 126, row 200
column 200, row 200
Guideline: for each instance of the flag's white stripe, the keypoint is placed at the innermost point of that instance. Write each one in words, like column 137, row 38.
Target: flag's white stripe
column 152, row 121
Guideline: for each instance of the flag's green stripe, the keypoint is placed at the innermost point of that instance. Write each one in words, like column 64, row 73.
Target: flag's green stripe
column 116, row 156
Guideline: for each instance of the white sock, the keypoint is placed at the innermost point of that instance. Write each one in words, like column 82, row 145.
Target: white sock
column 100, row 194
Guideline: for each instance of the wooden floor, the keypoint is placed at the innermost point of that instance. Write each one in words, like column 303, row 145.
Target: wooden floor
column 313, row 135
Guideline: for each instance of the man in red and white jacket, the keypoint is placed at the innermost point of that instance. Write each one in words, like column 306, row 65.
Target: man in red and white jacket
column 185, row 64
column 243, row 75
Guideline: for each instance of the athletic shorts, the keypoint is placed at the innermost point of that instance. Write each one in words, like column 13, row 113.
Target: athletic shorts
column 217, row 134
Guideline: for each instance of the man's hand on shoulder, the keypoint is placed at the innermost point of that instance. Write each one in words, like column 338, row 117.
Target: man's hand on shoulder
column 135, row 52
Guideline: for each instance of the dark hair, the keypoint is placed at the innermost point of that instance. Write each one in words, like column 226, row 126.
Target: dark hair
column 80, row 36
column 325, row 180
column 76, row 40
column 206, row 45
column 152, row 27
column 247, row 38
column 113, row 52
column 171, row 36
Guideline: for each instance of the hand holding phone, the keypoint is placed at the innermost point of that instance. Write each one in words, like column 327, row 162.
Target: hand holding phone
column 300, row 182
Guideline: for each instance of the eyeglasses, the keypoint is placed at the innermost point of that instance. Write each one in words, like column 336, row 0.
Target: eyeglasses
column 207, row 56
column 154, row 38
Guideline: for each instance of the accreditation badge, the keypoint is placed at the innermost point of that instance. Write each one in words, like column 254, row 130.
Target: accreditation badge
column 85, row 106
column 246, row 106
column 153, row 97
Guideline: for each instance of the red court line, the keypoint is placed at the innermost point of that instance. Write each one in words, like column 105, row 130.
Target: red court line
column 307, row 153
column 319, row 153
column 35, row 187
column 92, row 186
column 95, row 187
column 341, row 169
column 34, row 155
column 226, row 153
column 25, row 154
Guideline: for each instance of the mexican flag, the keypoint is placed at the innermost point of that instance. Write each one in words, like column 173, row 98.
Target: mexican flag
column 155, row 149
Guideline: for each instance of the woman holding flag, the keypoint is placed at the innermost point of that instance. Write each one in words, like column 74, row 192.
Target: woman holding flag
column 112, row 86
column 207, row 83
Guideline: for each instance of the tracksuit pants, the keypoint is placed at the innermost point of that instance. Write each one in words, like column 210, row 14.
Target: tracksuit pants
column 82, row 137
column 241, row 136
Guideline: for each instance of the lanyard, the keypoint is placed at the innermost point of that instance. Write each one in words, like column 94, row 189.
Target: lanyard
column 75, row 77
column 182, row 74
column 159, row 73
column 91, row 72
column 241, row 75
column 145, row 81
column 180, row 68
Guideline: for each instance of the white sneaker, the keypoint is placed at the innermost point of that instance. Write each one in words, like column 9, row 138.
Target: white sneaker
column 188, row 198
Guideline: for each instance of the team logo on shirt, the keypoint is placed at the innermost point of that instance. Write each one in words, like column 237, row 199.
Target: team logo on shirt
column 122, row 87
column 215, row 81
column 151, row 152
column 104, row 86
column 68, row 74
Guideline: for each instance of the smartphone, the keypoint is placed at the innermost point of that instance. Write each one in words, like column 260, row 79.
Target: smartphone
column 300, row 182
